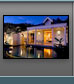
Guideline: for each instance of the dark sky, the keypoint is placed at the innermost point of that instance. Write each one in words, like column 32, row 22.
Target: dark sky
column 30, row 19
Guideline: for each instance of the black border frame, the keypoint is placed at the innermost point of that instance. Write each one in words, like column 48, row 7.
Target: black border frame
column 35, row 15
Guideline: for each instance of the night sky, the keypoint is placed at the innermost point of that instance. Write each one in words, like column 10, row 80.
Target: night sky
column 30, row 19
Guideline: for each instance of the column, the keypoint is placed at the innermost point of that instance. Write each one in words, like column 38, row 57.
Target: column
column 43, row 36
column 52, row 37
column 35, row 36
column 64, row 35
column 27, row 37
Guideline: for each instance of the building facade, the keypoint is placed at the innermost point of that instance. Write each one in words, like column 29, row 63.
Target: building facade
column 40, row 35
column 47, row 34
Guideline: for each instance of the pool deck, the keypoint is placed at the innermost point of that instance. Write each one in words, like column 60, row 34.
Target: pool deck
column 40, row 46
column 33, row 45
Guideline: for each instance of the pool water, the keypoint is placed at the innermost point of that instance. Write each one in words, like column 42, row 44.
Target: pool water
column 29, row 52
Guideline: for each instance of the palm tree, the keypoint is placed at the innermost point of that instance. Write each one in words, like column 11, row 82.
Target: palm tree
column 18, row 29
column 59, row 40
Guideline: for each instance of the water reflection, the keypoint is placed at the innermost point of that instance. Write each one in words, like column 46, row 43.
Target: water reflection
column 49, row 53
column 29, row 52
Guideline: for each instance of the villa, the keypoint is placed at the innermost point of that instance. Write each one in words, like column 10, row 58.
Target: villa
column 40, row 35
column 47, row 33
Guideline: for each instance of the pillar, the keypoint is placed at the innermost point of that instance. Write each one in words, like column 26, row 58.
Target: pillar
column 52, row 37
column 35, row 36
column 27, row 36
column 43, row 36
column 64, row 35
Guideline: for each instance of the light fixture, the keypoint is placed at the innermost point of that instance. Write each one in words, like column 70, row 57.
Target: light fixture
column 58, row 32
column 38, row 33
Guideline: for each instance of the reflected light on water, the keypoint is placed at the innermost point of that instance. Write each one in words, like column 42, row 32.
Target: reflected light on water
column 29, row 52
column 47, row 53
column 10, row 52
column 11, row 47
column 21, row 53
column 38, row 55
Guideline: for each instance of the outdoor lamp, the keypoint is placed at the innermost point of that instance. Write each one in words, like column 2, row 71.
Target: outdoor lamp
column 38, row 33
column 58, row 32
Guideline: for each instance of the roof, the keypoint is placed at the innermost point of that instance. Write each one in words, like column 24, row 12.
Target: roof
column 48, row 26
column 47, row 19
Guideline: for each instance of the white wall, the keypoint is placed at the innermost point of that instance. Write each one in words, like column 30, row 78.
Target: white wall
column 39, row 36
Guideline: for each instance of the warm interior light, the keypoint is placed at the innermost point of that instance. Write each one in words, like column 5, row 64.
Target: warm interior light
column 49, row 35
column 58, row 32
column 24, row 35
column 10, row 40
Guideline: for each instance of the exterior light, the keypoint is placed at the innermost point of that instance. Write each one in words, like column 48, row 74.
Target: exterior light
column 58, row 32
column 38, row 33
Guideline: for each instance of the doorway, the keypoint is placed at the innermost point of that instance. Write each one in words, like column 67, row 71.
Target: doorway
column 48, row 37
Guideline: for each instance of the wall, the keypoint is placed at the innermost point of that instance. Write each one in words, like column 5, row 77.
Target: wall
column 39, row 36
column 61, row 35
column 34, row 67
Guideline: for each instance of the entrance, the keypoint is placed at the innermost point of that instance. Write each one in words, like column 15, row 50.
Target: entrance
column 31, row 37
column 48, row 37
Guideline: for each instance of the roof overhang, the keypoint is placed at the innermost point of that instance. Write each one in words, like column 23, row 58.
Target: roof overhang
column 48, row 27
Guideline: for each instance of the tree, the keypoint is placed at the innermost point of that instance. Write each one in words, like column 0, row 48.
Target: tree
column 60, row 41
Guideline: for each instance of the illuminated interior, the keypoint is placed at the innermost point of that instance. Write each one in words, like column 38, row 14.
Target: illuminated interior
column 24, row 37
column 39, row 36
column 8, row 39
column 48, row 37
column 31, row 37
